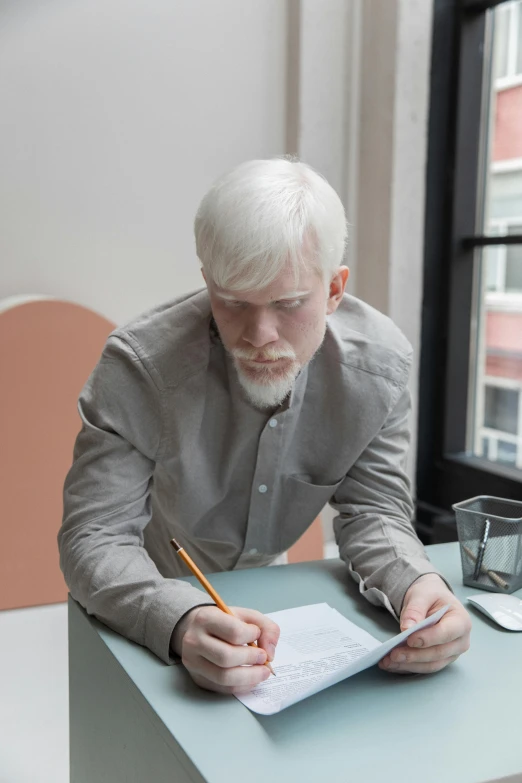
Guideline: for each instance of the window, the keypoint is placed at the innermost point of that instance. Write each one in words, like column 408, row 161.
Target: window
column 507, row 64
column 504, row 262
column 499, row 429
column 501, row 408
column 470, row 408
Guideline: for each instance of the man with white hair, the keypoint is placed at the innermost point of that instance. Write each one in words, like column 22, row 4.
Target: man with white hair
column 228, row 418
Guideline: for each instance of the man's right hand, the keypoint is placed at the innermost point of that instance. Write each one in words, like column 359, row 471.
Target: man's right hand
column 211, row 645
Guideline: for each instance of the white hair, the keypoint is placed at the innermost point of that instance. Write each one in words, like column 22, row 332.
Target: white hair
column 263, row 215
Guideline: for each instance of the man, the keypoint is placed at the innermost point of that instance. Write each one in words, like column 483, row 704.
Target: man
column 228, row 419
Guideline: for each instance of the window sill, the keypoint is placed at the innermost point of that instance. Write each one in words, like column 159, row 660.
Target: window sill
column 479, row 463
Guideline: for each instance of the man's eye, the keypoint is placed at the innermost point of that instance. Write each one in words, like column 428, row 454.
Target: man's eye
column 290, row 304
column 234, row 304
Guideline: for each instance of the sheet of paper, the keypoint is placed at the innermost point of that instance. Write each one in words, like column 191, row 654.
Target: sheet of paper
column 318, row 647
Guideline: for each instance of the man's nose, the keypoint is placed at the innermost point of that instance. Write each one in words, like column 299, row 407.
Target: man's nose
column 261, row 328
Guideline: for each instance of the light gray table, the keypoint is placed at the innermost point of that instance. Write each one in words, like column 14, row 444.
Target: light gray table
column 134, row 719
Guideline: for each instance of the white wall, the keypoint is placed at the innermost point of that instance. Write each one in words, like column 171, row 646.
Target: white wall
column 116, row 117
column 395, row 69
column 118, row 114
column 410, row 153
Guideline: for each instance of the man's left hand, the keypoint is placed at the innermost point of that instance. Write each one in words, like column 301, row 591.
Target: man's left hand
column 432, row 648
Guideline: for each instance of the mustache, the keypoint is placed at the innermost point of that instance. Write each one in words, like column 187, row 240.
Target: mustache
column 269, row 354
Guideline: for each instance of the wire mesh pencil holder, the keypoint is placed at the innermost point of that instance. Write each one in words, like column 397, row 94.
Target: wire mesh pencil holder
column 490, row 538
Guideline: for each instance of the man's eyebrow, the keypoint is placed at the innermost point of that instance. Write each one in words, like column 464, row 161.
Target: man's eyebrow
column 228, row 297
column 235, row 298
column 294, row 294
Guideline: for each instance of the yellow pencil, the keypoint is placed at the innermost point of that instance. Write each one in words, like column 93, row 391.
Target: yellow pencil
column 210, row 590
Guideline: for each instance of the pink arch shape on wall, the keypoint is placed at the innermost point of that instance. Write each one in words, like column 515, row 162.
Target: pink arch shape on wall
column 47, row 351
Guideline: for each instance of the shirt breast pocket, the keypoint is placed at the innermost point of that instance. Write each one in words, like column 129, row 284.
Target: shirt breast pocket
column 302, row 501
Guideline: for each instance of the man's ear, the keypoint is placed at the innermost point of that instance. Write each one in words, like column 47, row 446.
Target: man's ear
column 336, row 290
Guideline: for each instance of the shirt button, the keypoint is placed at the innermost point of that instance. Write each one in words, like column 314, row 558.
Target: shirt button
column 263, row 488
column 272, row 423
column 252, row 551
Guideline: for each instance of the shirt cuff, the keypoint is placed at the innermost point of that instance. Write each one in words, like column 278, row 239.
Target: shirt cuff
column 172, row 602
column 388, row 586
column 401, row 574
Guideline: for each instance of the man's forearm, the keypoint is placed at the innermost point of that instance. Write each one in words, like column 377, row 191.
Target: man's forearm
column 121, row 586
column 384, row 555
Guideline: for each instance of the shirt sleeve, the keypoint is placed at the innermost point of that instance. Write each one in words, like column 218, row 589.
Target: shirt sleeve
column 373, row 529
column 107, row 506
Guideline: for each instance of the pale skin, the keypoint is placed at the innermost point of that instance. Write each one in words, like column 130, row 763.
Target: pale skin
column 433, row 648
column 212, row 643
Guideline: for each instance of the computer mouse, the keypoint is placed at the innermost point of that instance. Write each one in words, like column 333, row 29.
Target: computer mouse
column 506, row 610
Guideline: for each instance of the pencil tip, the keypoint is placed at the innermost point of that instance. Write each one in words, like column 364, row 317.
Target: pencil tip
column 175, row 544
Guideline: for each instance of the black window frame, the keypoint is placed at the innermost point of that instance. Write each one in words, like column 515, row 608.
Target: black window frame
column 446, row 472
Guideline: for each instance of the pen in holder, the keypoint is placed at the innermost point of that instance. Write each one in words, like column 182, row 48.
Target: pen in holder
column 490, row 537
column 482, row 547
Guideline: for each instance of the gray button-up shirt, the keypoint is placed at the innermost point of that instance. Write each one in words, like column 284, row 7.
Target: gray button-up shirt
column 170, row 447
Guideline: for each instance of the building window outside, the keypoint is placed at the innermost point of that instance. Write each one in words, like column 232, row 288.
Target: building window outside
column 496, row 396
column 500, row 434
column 508, row 44
column 503, row 262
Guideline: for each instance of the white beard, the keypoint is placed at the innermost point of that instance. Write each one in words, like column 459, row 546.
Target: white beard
column 269, row 393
